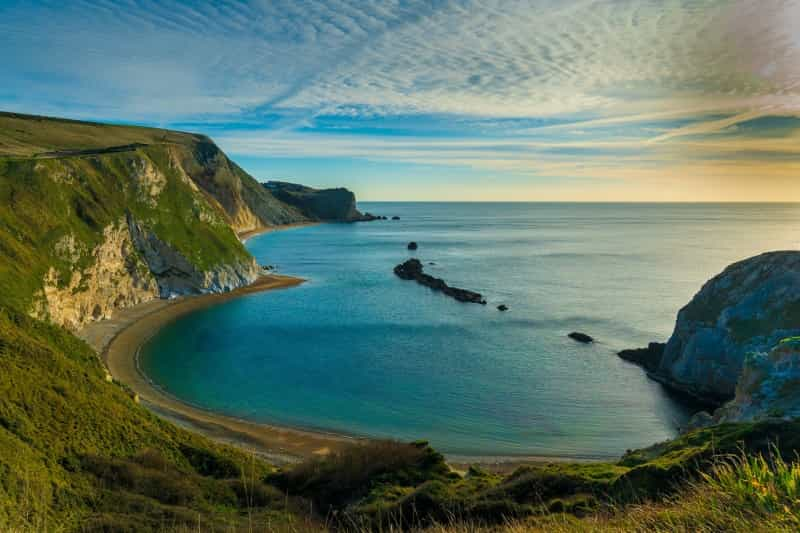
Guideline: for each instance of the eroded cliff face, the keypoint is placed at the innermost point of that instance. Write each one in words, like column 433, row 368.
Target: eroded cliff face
column 768, row 387
column 130, row 266
column 245, row 202
column 176, row 275
column 115, row 278
column 748, row 308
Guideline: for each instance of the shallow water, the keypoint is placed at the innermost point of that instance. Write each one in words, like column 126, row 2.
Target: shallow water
column 359, row 351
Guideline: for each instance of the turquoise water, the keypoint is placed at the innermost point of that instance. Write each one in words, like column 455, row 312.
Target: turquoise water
column 356, row 350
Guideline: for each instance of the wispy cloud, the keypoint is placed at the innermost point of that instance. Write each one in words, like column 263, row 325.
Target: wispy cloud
column 575, row 88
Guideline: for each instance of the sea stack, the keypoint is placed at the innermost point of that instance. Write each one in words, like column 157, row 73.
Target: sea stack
column 412, row 270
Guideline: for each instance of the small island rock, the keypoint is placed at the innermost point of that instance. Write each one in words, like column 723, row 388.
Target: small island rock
column 412, row 245
column 502, row 307
column 580, row 337
column 412, row 270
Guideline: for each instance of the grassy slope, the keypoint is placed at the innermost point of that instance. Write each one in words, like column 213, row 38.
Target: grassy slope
column 77, row 451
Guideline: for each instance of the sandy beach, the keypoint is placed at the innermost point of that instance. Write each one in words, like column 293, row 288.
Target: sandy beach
column 118, row 341
column 245, row 235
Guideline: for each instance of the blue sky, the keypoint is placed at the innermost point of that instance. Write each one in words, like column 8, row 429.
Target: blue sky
column 462, row 100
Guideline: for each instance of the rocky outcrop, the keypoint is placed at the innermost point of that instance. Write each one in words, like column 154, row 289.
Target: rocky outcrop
column 769, row 386
column 115, row 278
column 412, row 270
column 246, row 203
column 335, row 205
column 648, row 358
column 581, row 337
column 177, row 276
column 748, row 308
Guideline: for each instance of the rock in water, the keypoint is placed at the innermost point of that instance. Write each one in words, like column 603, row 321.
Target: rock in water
column 409, row 270
column 748, row 308
column 412, row 245
column 580, row 337
column 502, row 307
column 395, row 217
column 412, row 270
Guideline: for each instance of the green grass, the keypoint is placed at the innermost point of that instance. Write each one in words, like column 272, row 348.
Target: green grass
column 27, row 135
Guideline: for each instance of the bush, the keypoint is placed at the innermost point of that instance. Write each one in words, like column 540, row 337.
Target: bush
column 345, row 476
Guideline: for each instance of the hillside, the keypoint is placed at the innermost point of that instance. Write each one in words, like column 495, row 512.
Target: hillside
column 96, row 217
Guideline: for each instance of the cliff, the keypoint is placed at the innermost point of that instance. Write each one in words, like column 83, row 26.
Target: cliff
column 748, row 308
column 98, row 217
column 735, row 346
column 335, row 205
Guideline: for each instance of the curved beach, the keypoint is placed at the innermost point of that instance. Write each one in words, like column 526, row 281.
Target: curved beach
column 119, row 339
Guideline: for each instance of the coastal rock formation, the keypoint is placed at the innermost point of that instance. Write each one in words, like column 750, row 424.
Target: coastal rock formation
column 412, row 246
column 177, row 276
column 768, row 387
column 335, row 205
column 648, row 358
column 748, row 308
column 116, row 278
column 581, row 337
column 736, row 345
column 412, row 270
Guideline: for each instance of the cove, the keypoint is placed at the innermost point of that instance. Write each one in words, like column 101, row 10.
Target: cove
column 356, row 350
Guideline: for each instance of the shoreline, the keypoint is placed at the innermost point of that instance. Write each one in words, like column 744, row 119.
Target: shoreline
column 245, row 236
column 118, row 341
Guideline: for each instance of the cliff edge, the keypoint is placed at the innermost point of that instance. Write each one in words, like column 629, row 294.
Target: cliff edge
column 329, row 205
column 97, row 217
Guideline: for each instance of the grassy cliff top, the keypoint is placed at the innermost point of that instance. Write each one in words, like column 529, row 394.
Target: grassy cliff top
column 29, row 135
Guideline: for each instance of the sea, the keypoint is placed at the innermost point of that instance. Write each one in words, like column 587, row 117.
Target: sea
column 356, row 350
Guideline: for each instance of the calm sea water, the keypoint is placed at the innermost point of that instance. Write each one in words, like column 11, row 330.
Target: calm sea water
column 356, row 350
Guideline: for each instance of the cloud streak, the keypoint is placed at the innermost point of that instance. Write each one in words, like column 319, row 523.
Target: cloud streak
column 536, row 88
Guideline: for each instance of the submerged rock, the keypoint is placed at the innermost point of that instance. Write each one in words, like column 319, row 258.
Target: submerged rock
column 412, row 270
column 580, row 337
column 412, row 245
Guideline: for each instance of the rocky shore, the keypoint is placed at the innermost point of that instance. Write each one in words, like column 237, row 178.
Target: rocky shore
column 412, row 270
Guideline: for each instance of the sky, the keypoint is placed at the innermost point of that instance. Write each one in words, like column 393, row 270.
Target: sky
column 538, row 100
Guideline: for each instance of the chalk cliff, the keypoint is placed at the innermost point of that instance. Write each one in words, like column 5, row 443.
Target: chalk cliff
column 99, row 217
